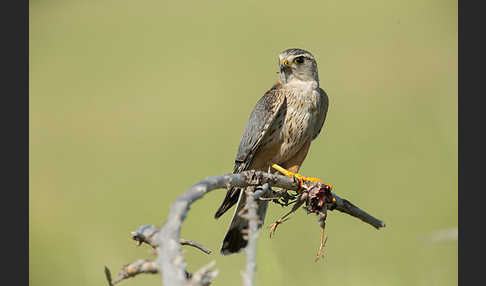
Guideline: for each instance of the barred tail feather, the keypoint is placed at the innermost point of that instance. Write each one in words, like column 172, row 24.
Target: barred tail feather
column 234, row 240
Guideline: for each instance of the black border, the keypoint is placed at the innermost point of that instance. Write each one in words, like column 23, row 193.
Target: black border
column 471, row 143
column 14, row 21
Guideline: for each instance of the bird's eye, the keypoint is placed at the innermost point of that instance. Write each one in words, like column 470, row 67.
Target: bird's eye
column 299, row 60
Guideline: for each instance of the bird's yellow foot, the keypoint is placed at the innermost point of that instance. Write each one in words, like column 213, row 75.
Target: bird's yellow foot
column 300, row 178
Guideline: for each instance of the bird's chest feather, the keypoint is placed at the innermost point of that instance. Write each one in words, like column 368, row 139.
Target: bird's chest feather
column 297, row 125
column 302, row 110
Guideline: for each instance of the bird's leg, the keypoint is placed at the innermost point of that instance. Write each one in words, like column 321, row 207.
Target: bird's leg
column 299, row 177
column 273, row 226
column 321, row 247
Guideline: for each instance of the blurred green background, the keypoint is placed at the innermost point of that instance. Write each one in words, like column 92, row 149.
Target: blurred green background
column 131, row 102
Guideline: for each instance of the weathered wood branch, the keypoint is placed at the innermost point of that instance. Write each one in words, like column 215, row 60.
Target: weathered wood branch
column 167, row 242
column 170, row 258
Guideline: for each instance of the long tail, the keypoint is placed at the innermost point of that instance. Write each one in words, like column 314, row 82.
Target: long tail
column 232, row 196
column 233, row 241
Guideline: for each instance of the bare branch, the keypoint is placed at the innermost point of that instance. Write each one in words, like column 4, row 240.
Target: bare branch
column 167, row 241
column 170, row 258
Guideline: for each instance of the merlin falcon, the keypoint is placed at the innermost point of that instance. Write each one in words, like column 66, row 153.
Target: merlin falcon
column 279, row 132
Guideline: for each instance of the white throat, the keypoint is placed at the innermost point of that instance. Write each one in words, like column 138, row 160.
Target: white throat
column 301, row 84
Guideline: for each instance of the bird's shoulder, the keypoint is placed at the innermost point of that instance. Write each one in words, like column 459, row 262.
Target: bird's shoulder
column 270, row 101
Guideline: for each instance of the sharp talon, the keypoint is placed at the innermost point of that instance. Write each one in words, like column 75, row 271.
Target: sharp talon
column 273, row 226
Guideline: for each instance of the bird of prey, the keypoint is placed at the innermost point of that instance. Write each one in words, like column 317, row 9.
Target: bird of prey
column 280, row 130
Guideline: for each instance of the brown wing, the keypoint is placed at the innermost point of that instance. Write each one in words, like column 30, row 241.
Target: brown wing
column 261, row 119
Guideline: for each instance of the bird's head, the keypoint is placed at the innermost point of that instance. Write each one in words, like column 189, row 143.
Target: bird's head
column 297, row 64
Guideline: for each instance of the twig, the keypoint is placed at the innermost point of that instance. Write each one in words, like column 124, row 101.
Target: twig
column 203, row 276
column 347, row 207
column 195, row 244
column 133, row 269
column 148, row 234
column 108, row 276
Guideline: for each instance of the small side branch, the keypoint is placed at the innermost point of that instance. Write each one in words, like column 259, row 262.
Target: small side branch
column 133, row 269
column 148, row 234
column 195, row 244
column 203, row 276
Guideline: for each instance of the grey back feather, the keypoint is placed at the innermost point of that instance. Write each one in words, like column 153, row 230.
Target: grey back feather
column 261, row 118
